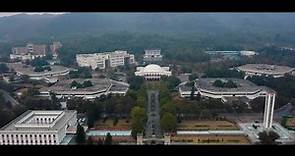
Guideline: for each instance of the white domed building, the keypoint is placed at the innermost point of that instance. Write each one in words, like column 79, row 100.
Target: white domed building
column 152, row 72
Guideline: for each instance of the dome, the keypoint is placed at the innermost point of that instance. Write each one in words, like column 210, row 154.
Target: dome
column 152, row 68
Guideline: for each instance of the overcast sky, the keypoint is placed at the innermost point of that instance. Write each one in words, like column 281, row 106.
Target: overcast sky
column 2, row 14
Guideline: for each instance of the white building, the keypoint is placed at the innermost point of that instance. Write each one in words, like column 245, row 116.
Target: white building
column 152, row 55
column 265, row 69
column 39, row 128
column 152, row 72
column 54, row 47
column 63, row 89
column 29, row 52
column 245, row 88
column 247, row 53
column 103, row 60
column 48, row 76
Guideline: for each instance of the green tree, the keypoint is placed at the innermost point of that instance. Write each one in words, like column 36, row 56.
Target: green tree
column 193, row 77
column 168, row 122
column 75, row 84
column 135, row 82
column 218, row 83
column 268, row 137
column 80, row 135
column 87, row 84
column 108, row 140
column 138, row 119
column 3, row 68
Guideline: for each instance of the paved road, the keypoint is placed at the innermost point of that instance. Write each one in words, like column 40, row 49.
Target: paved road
column 153, row 128
column 7, row 97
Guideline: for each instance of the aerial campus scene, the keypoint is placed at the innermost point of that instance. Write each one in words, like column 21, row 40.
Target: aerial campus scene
column 147, row 79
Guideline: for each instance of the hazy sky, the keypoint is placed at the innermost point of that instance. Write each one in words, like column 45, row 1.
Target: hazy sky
column 2, row 14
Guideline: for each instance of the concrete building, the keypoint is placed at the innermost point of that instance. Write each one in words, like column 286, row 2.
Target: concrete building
column 104, row 60
column 248, row 53
column 245, row 88
column 152, row 55
column 29, row 52
column 152, row 72
column 265, row 69
column 56, row 71
column 54, row 47
column 39, row 128
column 63, row 89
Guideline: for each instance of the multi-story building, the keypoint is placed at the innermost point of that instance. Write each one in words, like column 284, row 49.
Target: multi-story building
column 104, row 60
column 54, row 47
column 29, row 52
column 152, row 55
column 39, row 128
column 265, row 69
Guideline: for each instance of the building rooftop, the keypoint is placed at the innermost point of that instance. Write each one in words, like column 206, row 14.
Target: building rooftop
column 99, row 85
column 31, row 120
column 265, row 68
column 65, row 85
column 242, row 85
column 29, row 70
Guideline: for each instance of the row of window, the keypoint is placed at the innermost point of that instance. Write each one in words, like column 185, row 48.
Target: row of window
column 26, row 135
column 27, row 141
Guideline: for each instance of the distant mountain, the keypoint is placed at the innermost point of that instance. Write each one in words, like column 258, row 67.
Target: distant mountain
column 24, row 27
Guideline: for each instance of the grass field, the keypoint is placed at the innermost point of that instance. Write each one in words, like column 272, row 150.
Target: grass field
column 109, row 124
column 211, row 139
column 206, row 125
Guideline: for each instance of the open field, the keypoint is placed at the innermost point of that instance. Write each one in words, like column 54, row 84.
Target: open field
column 109, row 125
column 206, row 125
column 210, row 139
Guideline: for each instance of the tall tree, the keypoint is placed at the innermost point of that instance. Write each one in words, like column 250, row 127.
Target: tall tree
column 108, row 140
column 168, row 122
column 138, row 119
column 80, row 135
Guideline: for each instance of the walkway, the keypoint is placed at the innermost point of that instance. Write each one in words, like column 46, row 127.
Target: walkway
column 153, row 127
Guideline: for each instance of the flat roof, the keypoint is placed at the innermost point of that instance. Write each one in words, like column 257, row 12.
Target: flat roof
column 21, row 123
column 243, row 85
column 265, row 68
column 29, row 70
column 65, row 85
column 99, row 84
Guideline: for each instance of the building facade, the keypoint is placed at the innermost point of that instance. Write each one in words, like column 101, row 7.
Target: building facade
column 29, row 52
column 152, row 55
column 152, row 72
column 54, row 47
column 39, row 128
column 104, row 60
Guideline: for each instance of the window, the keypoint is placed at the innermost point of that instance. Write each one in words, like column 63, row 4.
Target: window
column 30, row 135
column 39, row 135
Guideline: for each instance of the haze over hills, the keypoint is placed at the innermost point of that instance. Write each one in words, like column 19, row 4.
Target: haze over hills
column 24, row 27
